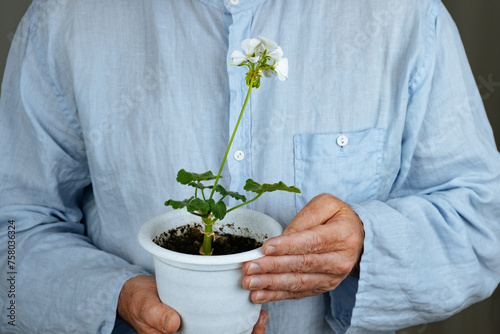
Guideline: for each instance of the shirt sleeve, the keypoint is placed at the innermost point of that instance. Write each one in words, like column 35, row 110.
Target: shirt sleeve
column 432, row 248
column 60, row 282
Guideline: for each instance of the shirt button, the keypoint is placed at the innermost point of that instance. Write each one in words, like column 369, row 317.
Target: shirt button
column 239, row 155
column 342, row 140
column 235, row 2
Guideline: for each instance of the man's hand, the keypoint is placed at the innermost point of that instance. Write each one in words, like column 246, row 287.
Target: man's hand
column 316, row 252
column 140, row 306
column 260, row 326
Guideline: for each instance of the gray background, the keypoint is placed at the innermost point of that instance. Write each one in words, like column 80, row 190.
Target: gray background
column 479, row 25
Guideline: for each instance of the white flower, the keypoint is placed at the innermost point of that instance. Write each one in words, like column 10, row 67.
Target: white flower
column 266, row 44
column 249, row 46
column 261, row 56
column 277, row 54
column 280, row 70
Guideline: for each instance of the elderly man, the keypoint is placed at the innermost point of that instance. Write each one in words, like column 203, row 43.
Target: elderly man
column 379, row 124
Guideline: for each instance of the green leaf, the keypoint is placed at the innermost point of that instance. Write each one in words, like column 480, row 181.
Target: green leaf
column 199, row 185
column 258, row 188
column 251, row 185
column 218, row 209
column 221, row 190
column 184, row 177
column 197, row 205
column 179, row 204
column 194, row 205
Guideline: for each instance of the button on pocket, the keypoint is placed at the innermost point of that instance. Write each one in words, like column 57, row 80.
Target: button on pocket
column 346, row 165
column 342, row 140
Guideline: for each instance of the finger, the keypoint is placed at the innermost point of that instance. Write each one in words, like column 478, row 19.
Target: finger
column 260, row 326
column 328, row 263
column 316, row 212
column 140, row 306
column 343, row 231
column 266, row 296
column 314, row 240
column 293, row 282
column 161, row 317
column 317, row 240
column 153, row 312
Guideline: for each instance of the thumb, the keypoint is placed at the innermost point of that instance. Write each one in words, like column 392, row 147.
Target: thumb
column 162, row 317
column 140, row 306
column 316, row 212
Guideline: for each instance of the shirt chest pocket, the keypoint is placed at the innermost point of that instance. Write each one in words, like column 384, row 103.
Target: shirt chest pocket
column 346, row 165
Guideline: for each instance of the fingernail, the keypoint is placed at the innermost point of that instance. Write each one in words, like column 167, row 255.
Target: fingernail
column 288, row 231
column 259, row 296
column 254, row 283
column 254, row 268
column 166, row 321
column 270, row 250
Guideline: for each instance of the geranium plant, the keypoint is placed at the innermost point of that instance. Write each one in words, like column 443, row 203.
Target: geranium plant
column 262, row 56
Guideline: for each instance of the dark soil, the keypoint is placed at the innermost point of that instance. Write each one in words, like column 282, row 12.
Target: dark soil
column 188, row 239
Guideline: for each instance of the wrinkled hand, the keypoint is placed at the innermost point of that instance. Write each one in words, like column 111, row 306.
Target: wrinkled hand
column 316, row 252
column 140, row 306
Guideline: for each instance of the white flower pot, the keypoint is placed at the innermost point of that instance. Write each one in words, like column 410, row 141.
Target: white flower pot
column 206, row 290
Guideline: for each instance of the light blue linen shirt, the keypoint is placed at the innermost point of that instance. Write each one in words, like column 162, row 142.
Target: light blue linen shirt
column 104, row 101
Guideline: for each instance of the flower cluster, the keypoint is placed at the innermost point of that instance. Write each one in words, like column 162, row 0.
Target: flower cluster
column 261, row 56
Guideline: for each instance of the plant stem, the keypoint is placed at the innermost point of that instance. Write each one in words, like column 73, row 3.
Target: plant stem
column 207, row 237
column 232, row 138
column 245, row 203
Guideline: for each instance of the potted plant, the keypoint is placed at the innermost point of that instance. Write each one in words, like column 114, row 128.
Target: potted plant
column 206, row 290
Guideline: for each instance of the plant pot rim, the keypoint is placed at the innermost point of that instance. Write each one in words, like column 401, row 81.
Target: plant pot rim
column 153, row 228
